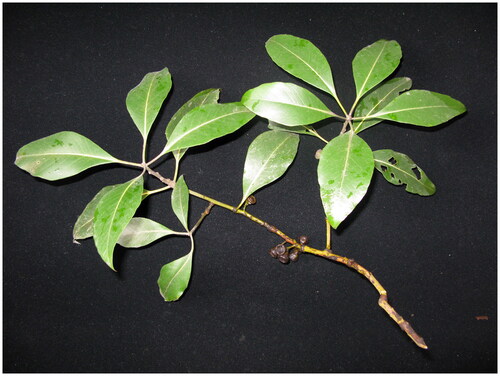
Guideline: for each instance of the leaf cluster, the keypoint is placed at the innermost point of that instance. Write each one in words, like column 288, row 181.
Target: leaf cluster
column 346, row 163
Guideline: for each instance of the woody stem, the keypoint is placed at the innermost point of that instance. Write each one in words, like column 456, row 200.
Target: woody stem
column 327, row 253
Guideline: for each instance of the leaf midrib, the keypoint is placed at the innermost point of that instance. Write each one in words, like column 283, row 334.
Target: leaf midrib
column 297, row 105
column 68, row 154
column 371, row 69
column 407, row 109
column 114, row 213
column 390, row 165
column 146, row 104
column 346, row 163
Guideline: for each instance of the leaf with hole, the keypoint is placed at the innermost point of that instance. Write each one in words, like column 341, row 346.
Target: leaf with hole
column 174, row 276
column 61, row 155
column 398, row 169
column 206, row 123
column 375, row 63
column 378, row 99
column 180, row 201
column 285, row 103
column 143, row 231
column 345, row 170
column 268, row 158
column 113, row 213
column 84, row 225
column 301, row 59
column 203, row 97
column 421, row 107
column 145, row 100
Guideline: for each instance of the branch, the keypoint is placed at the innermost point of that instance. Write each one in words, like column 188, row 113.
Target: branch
column 382, row 302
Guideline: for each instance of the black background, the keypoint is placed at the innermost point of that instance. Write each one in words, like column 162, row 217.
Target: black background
column 69, row 67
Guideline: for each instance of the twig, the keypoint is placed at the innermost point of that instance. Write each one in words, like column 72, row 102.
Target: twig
column 382, row 302
column 202, row 217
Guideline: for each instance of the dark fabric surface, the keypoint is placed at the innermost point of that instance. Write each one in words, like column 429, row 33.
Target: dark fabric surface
column 69, row 67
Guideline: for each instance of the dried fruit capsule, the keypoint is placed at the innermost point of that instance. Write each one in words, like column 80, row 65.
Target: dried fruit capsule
column 251, row 200
column 280, row 250
column 303, row 239
column 273, row 253
column 284, row 258
column 294, row 255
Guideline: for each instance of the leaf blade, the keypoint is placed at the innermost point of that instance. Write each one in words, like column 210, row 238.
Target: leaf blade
column 301, row 59
column 206, row 123
column 145, row 100
column 285, row 103
column 61, row 155
column 421, row 107
column 113, row 213
column 375, row 63
column 142, row 231
column 378, row 99
column 398, row 169
column 345, row 170
column 174, row 276
column 84, row 225
column 268, row 158
column 180, row 201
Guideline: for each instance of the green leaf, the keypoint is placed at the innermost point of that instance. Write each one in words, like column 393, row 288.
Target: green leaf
column 145, row 100
column 399, row 169
column 301, row 59
column 113, row 213
column 206, row 123
column 61, row 155
column 142, row 231
column 268, row 157
column 421, row 107
column 180, row 201
column 375, row 63
column 287, row 128
column 203, row 97
column 84, row 226
column 285, row 103
column 378, row 99
column 174, row 277
column 345, row 170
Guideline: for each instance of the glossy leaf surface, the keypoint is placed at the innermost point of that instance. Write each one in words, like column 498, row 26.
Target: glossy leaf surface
column 301, row 59
column 174, row 277
column 142, row 231
column 206, row 123
column 375, row 63
column 84, row 225
column 285, row 103
column 61, row 155
column 180, row 201
column 145, row 100
column 203, row 97
column 378, row 99
column 345, row 170
column 268, row 157
column 113, row 213
column 399, row 169
column 299, row 129
column 421, row 107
